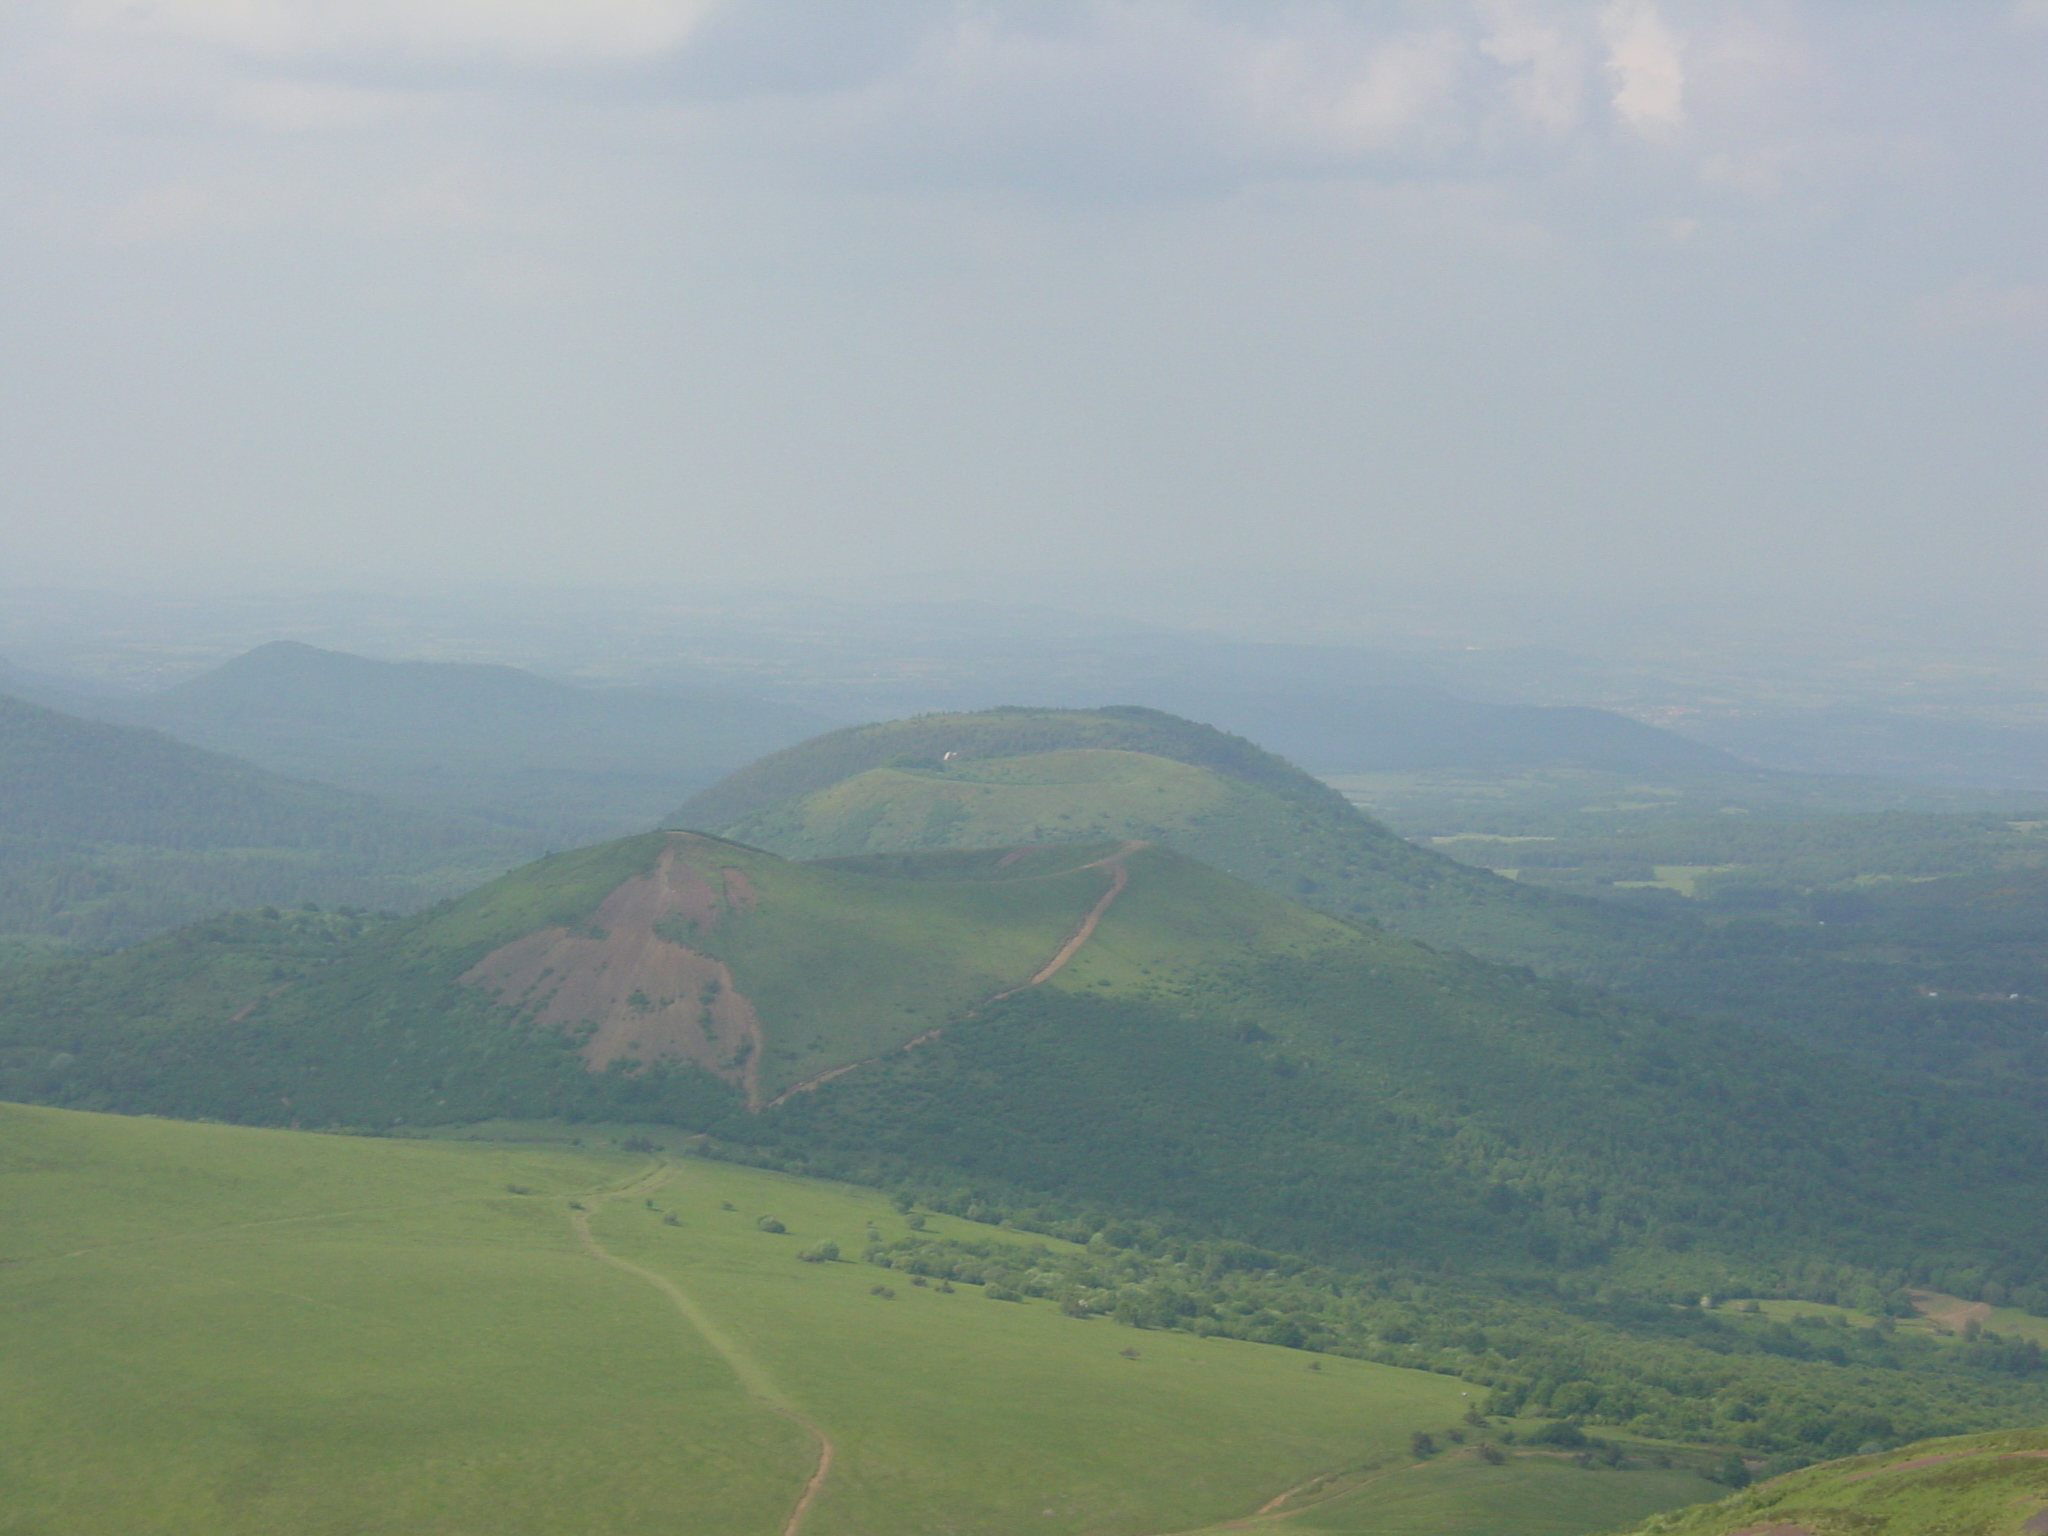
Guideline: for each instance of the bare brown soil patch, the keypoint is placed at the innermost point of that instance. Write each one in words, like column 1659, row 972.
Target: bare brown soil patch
column 632, row 993
column 1950, row 1312
column 253, row 1004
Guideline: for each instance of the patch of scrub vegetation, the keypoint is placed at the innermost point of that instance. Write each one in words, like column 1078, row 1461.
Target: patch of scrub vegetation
column 1660, row 1370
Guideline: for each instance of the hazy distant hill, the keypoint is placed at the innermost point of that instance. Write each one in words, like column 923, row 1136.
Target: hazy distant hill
column 109, row 832
column 1394, row 729
column 568, row 765
column 1889, row 742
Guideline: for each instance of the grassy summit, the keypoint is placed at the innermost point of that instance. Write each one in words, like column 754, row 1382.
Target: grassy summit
column 1006, row 776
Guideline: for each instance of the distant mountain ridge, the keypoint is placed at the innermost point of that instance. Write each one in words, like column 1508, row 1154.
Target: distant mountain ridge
column 109, row 833
column 568, row 765
column 1385, row 729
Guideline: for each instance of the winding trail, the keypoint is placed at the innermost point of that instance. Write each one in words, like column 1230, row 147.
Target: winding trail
column 751, row 1373
column 1119, row 877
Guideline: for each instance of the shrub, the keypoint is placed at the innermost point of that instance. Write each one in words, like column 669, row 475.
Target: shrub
column 770, row 1224
column 1492, row 1455
column 822, row 1253
column 1421, row 1445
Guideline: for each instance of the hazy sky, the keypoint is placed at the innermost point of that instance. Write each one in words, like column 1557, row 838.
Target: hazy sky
column 1669, row 296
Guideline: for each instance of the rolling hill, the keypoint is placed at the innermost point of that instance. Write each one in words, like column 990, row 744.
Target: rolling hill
column 109, row 833
column 1053, row 776
column 1915, row 977
column 565, row 765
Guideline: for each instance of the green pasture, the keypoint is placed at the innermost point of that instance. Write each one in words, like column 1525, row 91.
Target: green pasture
column 223, row 1330
column 1529, row 1494
column 952, row 1412
column 208, row 1328
column 1070, row 796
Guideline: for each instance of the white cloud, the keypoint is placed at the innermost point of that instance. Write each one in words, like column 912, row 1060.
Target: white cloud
column 1643, row 57
column 1548, row 61
column 1354, row 100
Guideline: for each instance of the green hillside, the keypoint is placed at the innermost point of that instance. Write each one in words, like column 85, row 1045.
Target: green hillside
column 1300, row 1132
column 109, row 833
column 1044, row 775
column 239, row 1331
column 1114, row 1025
column 670, row 971
column 1830, row 930
column 1972, row 1485
column 561, row 764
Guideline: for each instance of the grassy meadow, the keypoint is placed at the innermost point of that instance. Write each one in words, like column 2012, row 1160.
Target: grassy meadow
column 1531, row 1493
column 234, row 1330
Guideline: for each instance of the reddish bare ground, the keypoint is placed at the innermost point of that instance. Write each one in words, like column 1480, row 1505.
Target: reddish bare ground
column 640, row 996
column 253, row 1004
column 1950, row 1312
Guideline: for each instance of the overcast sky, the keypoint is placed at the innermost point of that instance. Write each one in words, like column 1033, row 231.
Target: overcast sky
column 1658, row 295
